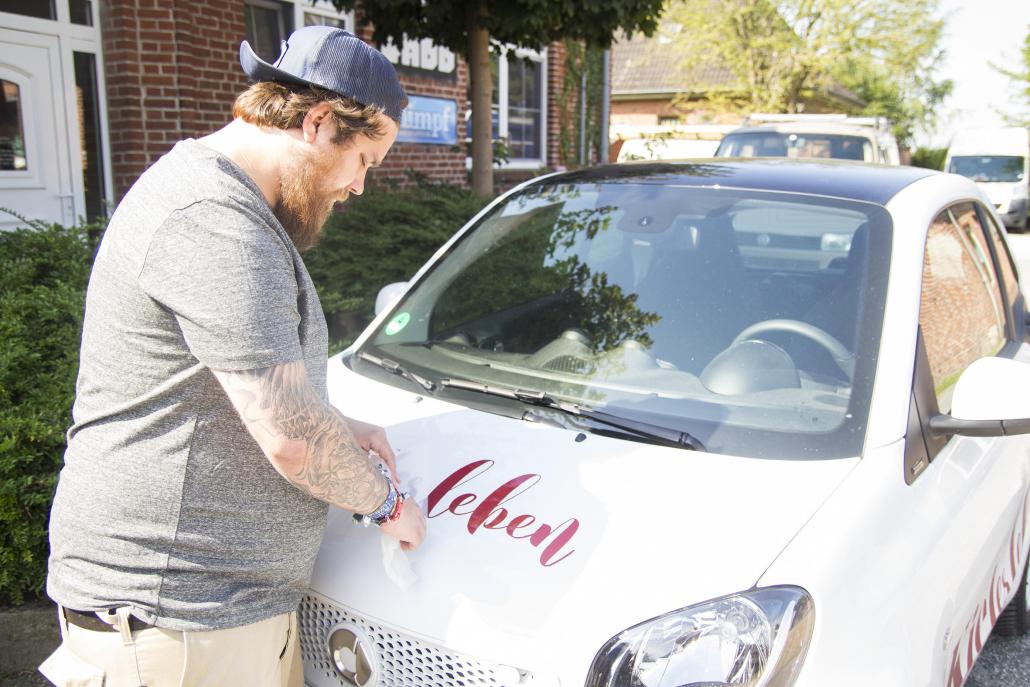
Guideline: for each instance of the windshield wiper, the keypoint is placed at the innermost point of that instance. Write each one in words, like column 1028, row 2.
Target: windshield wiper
column 396, row 368
column 646, row 430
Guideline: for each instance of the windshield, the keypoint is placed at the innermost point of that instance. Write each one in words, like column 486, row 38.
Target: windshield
column 796, row 146
column 749, row 319
column 988, row 167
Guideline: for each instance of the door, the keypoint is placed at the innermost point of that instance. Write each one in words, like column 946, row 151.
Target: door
column 975, row 488
column 35, row 139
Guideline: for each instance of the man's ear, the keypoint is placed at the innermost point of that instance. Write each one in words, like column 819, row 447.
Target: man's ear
column 315, row 117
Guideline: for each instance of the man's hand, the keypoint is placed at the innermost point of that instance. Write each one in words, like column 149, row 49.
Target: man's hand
column 373, row 438
column 410, row 528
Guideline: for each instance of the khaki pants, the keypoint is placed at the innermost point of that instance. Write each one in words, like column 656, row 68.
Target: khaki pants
column 263, row 654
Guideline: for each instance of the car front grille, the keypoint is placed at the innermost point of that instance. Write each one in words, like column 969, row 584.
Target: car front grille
column 404, row 661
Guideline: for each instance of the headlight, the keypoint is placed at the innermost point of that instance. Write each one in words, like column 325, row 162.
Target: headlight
column 1020, row 192
column 755, row 639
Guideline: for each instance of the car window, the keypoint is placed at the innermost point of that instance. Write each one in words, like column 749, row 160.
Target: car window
column 988, row 167
column 752, row 318
column 796, row 146
column 961, row 314
column 1009, row 280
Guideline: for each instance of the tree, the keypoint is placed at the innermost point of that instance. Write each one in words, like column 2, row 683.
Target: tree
column 472, row 28
column 782, row 52
column 1021, row 78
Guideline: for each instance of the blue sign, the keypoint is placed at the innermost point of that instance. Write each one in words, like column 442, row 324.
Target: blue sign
column 429, row 120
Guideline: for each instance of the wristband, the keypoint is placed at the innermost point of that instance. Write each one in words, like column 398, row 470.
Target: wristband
column 390, row 509
column 396, row 514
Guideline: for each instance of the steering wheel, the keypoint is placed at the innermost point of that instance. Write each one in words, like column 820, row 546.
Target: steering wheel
column 843, row 358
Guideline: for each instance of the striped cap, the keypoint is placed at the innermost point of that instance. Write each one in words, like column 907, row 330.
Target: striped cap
column 333, row 59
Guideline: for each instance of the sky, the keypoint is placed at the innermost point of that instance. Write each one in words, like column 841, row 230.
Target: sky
column 978, row 32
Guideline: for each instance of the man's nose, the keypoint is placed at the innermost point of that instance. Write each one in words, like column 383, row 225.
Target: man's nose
column 358, row 185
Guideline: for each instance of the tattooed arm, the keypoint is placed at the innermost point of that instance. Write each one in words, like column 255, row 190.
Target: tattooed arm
column 312, row 445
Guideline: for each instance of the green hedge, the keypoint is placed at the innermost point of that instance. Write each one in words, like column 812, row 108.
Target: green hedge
column 381, row 237
column 930, row 158
column 42, row 285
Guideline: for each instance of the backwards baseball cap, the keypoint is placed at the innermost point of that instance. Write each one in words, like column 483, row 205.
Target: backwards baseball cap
column 333, row 59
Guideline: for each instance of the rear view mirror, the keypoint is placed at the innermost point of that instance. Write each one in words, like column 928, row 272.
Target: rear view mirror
column 389, row 294
column 990, row 399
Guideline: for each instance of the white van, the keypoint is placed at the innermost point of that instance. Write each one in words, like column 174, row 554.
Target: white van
column 998, row 160
column 799, row 136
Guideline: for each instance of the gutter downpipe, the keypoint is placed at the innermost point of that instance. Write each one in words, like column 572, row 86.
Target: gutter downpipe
column 583, row 113
column 605, row 103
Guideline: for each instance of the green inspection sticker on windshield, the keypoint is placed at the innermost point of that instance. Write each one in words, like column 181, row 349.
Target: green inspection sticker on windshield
column 397, row 324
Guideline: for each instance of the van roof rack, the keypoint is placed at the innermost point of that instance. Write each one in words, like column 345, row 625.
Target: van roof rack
column 871, row 122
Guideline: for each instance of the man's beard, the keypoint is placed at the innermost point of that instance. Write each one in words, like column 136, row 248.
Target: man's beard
column 304, row 206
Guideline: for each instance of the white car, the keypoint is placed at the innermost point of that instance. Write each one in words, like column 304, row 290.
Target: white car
column 650, row 462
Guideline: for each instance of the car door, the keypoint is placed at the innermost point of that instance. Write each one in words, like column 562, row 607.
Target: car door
column 975, row 488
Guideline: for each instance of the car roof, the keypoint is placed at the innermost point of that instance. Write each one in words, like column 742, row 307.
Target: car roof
column 837, row 178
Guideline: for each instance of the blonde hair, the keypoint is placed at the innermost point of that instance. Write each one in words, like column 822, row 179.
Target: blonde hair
column 272, row 104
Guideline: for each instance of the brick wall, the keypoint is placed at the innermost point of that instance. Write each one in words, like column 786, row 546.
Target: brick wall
column 555, row 104
column 172, row 71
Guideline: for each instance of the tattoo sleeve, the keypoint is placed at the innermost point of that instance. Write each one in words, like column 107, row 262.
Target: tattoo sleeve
column 305, row 438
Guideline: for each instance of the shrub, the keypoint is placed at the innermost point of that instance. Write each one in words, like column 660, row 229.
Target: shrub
column 42, row 285
column 381, row 237
column 930, row 158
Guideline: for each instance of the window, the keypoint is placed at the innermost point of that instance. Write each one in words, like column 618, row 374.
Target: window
column 268, row 25
column 12, row 128
column 42, row 9
column 799, row 145
column 87, row 101
column 322, row 13
column 519, row 103
column 1007, row 269
column 270, row 22
column 525, row 99
column 961, row 314
column 988, row 167
column 81, row 12
column 631, row 295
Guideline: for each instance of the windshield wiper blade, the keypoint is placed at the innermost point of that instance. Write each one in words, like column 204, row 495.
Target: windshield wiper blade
column 667, row 435
column 396, row 368
column 646, row 430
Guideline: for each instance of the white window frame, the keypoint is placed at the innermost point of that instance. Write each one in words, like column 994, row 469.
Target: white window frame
column 296, row 9
column 541, row 57
column 322, row 8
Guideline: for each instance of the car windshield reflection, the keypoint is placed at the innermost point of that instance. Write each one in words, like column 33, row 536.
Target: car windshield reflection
column 750, row 318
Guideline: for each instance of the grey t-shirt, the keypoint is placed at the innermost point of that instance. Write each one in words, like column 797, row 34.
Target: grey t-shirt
column 165, row 502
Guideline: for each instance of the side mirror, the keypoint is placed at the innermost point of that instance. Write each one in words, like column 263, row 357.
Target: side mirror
column 389, row 294
column 990, row 400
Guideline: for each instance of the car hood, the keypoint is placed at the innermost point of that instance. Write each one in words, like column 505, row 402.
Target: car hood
column 544, row 542
column 998, row 192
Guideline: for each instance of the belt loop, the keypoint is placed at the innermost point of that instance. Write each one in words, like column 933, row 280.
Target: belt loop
column 62, row 622
column 123, row 624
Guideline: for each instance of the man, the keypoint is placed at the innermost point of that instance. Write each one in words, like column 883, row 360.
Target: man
column 204, row 451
